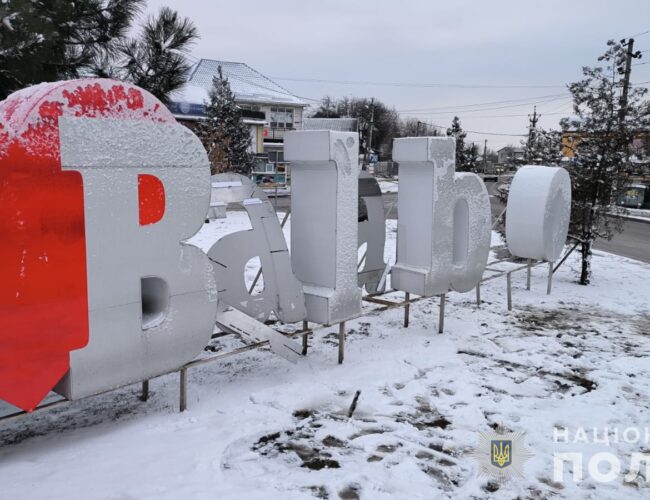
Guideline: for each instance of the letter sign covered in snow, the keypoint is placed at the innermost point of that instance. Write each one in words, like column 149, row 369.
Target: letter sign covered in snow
column 282, row 291
column 443, row 230
column 100, row 186
column 372, row 233
column 538, row 212
column 324, row 208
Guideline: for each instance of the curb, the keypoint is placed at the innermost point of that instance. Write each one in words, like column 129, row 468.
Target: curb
column 636, row 219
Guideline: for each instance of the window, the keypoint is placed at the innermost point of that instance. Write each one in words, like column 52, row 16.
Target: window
column 249, row 107
column 276, row 156
column 281, row 117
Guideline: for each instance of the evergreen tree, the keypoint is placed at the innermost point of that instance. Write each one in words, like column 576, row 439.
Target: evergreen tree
column 471, row 158
column 412, row 127
column 543, row 147
column 49, row 40
column 155, row 60
column 385, row 120
column 224, row 135
column 604, row 128
column 459, row 134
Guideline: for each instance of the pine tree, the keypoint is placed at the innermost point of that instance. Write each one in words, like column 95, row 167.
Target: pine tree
column 224, row 135
column 471, row 158
column 604, row 128
column 385, row 120
column 49, row 40
column 459, row 134
column 543, row 147
column 155, row 60
column 412, row 127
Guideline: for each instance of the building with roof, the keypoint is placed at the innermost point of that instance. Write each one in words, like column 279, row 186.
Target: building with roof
column 510, row 156
column 268, row 108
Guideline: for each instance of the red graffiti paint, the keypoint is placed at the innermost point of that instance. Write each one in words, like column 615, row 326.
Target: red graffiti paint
column 43, row 282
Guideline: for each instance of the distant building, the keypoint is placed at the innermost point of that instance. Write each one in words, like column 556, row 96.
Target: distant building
column 637, row 167
column 510, row 156
column 269, row 109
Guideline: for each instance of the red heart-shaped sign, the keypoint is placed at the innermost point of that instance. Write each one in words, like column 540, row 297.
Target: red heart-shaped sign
column 43, row 285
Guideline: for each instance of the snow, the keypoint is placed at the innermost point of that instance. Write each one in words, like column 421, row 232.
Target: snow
column 638, row 213
column 388, row 186
column 259, row 427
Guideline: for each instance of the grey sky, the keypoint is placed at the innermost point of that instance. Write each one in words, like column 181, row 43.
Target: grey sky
column 491, row 42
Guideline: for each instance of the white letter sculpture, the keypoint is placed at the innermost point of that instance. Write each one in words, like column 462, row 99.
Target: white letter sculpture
column 282, row 292
column 324, row 217
column 151, row 301
column 538, row 212
column 443, row 230
column 372, row 232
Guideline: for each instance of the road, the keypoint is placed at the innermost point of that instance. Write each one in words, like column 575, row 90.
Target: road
column 633, row 242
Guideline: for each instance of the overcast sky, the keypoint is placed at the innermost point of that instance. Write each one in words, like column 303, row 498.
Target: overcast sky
column 537, row 45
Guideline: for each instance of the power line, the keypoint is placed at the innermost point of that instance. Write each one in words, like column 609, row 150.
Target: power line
column 515, row 116
column 482, row 103
column 479, row 133
column 481, row 109
column 423, row 85
column 495, row 133
column 640, row 34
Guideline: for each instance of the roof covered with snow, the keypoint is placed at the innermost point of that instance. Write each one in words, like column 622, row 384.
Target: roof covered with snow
column 247, row 84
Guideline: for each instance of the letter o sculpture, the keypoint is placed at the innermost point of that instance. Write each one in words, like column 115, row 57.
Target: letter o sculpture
column 538, row 212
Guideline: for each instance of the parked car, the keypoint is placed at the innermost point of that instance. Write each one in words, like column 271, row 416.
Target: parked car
column 635, row 196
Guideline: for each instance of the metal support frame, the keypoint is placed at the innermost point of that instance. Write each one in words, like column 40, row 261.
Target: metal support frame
column 478, row 295
column 305, row 337
column 509, row 286
column 549, row 285
column 528, row 273
column 407, row 309
column 145, row 391
column 566, row 255
column 441, row 315
column 183, row 391
column 341, row 342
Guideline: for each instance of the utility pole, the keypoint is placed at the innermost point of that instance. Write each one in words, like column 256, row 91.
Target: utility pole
column 626, row 76
column 535, row 118
column 485, row 156
column 372, row 123
column 531, row 130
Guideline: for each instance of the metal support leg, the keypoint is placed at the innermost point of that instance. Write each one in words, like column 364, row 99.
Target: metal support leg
column 509, row 281
column 183, row 398
column 441, row 317
column 145, row 391
column 407, row 307
column 305, row 338
column 549, row 286
column 528, row 272
column 478, row 295
column 341, row 341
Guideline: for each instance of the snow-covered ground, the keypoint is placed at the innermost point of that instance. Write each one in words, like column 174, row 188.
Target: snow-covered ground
column 259, row 427
column 388, row 186
column 639, row 213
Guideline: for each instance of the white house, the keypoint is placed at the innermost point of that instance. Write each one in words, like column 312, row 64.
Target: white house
column 268, row 108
